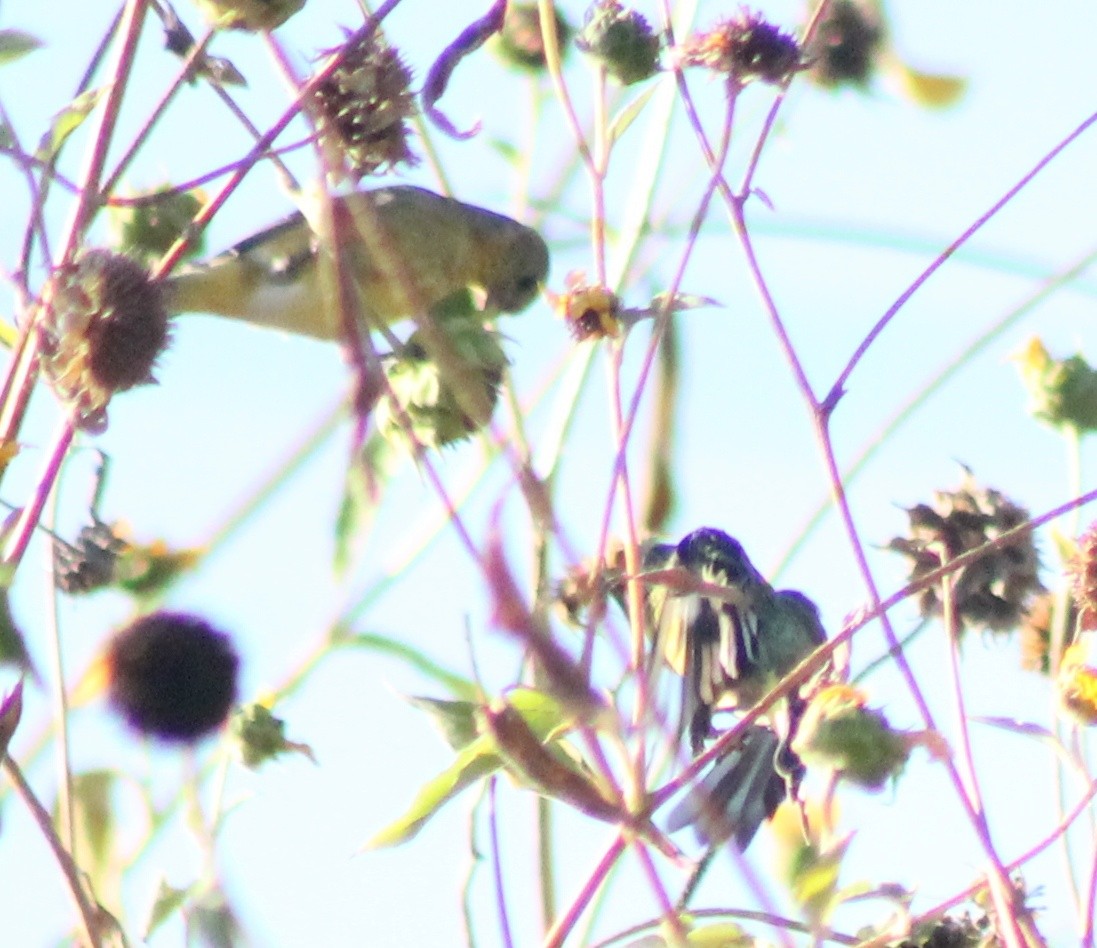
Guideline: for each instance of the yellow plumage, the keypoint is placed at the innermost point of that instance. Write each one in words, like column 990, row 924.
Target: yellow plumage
column 405, row 248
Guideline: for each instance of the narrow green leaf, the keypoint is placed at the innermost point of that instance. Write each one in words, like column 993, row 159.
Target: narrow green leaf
column 15, row 44
column 355, row 513
column 95, row 819
column 362, row 493
column 623, row 119
column 476, row 761
column 455, row 684
column 67, row 121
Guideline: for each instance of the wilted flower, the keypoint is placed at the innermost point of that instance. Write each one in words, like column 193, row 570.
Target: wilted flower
column 1083, row 572
column 590, row 311
column 146, row 226
column 260, row 736
column 744, row 47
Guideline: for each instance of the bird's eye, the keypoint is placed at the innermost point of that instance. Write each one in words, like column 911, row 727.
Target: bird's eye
column 527, row 285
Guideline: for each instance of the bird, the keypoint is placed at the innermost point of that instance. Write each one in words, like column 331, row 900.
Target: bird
column 407, row 248
column 730, row 647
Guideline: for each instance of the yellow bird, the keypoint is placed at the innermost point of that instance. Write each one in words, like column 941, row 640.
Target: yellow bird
column 407, row 249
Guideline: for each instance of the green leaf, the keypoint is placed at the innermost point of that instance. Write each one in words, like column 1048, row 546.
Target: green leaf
column 553, row 771
column 168, row 902
column 623, row 119
column 67, row 121
column 542, row 712
column 95, row 820
column 476, row 761
column 508, row 151
column 813, row 877
column 15, row 44
column 455, row 719
column 356, row 510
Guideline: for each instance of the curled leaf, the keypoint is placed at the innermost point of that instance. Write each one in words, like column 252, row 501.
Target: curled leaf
column 663, row 303
column 468, row 41
column 67, row 121
column 937, row 91
column 548, row 773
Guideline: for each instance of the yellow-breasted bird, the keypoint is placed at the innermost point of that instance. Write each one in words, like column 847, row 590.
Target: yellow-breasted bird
column 730, row 651
column 407, row 248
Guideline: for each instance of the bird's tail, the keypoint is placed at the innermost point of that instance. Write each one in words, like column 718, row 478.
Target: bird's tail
column 740, row 792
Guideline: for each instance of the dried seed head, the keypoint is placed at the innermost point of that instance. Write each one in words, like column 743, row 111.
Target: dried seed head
column 362, row 110
column 621, row 40
column 172, row 676
column 91, row 562
column 745, row 47
column 104, row 325
column 991, row 592
column 847, row 45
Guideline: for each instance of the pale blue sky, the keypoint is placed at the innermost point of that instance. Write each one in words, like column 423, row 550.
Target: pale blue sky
column 233, row 402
